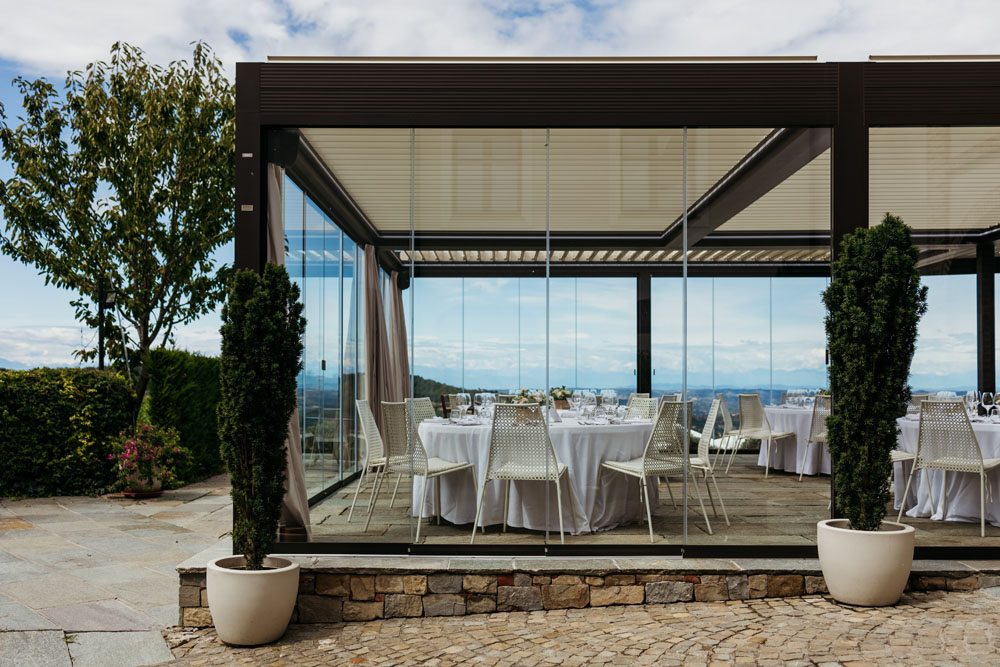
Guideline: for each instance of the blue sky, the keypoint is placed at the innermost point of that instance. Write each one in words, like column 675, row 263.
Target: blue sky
column 47, row 38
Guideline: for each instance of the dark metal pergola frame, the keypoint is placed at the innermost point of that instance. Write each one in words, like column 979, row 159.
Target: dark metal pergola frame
column 806, row 100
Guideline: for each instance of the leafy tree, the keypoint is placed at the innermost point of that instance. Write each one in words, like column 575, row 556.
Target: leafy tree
column 262, row 327
column 874, row 303
column 127, row 178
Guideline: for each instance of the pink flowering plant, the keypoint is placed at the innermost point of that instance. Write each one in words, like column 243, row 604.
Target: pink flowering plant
column 150, row 455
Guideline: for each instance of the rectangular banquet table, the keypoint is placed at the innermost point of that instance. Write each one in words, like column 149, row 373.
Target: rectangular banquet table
column 581, row 448
column 785, row 456
column 963, row 488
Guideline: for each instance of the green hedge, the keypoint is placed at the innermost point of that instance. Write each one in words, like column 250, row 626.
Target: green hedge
column 56, row 430
column 184, row 393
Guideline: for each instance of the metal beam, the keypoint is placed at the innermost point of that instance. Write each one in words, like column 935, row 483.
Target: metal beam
column 774, row 159
column 251, row 189
column 644, row 329
column 986, row 316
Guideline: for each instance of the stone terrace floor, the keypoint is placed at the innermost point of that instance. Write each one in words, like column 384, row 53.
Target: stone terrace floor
column 924, row 628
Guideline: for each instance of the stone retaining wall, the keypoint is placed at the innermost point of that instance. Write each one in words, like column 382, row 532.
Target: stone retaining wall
column 327, row 597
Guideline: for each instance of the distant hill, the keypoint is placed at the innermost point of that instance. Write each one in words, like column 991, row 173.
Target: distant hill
column 7, row 364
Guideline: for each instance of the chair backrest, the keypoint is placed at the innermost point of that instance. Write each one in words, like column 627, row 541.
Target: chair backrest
column 708, row 431
column 671, row 397
column 822, row 406
column 404, row 451
column 666, row 448
column 423, row 409
column 946, row 433
column 784, row 398
column 727, row 419
column 752, row 417
column 369, row 429
column 505, row 398
column 634, row 395
column 641, row 408
column 519, row 444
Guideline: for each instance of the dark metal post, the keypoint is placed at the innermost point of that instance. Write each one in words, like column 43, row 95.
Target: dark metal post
column 100, row 323
column 985, row 316
column 251, row 185
column 643, row 381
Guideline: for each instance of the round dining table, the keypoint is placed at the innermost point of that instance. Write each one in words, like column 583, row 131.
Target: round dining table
column 962, row 490
column 582, row 448
column 787, row 455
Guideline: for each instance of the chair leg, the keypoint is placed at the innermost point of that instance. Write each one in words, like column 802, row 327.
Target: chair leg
column 420, row 512
column 437, row 498
column 666, row 480
column 711, row 500
column 562, row 538
column 767, row 458
column 930, row 490
column 649, row 514
column 906, row 492
column 394, row 490
column 944, row 495
column 732, row 455
column 479, row 511
column 506, row 504
column 697, row 492
column 379, row 474
column 378, row 487
column 719, row 493
column 361, row 481
column 805, row 455
column 982, row 504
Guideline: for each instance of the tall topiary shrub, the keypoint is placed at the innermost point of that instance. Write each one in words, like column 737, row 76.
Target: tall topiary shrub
column 873, row 303
column 261, row 356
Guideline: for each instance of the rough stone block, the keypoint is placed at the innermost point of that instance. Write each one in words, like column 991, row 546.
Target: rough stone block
column 333, row 584
column 320, row 609
column 573, row 596
column 444, row 604
column 815, row 585
column 969, row 583
column 479, row 583
column 566, row 580
column 193, row 580
column 480, row 604
column 989, row 581
column 388, row 583
column 541, row 580
column 711, row 592
column 648, row 578
column 619, row 580
column 362, row 611
column 307, row 583
column 758, row 586
column 521, row 579
column 669, row 591
column 197, row 617
column 402, row 605
column 189, row 596
column 362, row 587
column 607, row 595
column 594, row 581
column 518, row 598
column 204, row 597
column 785, row 585
column 739, row 588
column 415, row 584
column 930, row 584
column 505, row 580
column 444, row 583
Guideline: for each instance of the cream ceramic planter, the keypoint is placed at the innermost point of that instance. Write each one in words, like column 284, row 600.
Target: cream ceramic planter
column 251, row 607
column 867, row 568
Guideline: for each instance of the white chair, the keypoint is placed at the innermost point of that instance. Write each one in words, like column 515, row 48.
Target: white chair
column 663, row 457
column 641, row 408
column 520, row 450
column 946, row 442
column 374, row 454
column 817, row 428
column 755, row 426
column 728, row 437
column 406, row 455
column 671, row 397
column 913, row 407
column 703, row 462
column 423, row 409
column 634, row 395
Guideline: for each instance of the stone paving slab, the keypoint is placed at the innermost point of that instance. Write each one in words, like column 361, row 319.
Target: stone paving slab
column 108, row 615
column 121, row 649
column 925, row 628
column 34, row 649
column 14, row 616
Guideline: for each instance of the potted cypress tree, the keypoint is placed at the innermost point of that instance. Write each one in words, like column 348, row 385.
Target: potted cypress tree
column 874, row 303
column 251, row 596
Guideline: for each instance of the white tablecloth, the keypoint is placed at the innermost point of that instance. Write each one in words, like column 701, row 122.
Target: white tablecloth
column 581, row 448
column 785, row 456
column 963, row 488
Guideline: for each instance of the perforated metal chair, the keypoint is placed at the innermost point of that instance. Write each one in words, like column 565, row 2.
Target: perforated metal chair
column 634, row 395
column 728, row 438
column 520, row 450
column 913, row 407
column 670, row 397
column 374, row 454
column 641, row 408
column 703, row 461
column 663, row 457
column 755, row 426
column 822, row 407
column 406, row 455
column 423, row 409
column 946, row 442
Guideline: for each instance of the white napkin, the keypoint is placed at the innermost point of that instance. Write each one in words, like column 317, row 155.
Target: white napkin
column 554, row 416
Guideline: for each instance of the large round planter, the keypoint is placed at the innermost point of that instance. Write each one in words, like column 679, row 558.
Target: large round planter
column 251, row 607
column 866, row 568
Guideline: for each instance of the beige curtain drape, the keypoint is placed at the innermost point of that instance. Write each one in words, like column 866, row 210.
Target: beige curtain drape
column 399, row 366
column 295, row 507
column 378, row 363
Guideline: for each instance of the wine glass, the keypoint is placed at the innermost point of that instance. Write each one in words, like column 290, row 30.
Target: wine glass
column 462, row 402
column 575, row 400
column 971, row 400
column 987, row 402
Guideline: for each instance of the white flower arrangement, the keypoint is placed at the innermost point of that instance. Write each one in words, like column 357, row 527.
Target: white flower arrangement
column 530, row 396
column 560, row 393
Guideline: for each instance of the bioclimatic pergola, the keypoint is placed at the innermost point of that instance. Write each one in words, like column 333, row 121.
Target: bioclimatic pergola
column 813, row 153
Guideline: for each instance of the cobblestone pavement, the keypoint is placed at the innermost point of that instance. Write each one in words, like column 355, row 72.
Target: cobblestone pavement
column 925, row 628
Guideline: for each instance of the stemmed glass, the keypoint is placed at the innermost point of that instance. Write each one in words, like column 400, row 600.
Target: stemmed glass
column 462, row 402
column 987, row 402
column 609, row 400
column 972, row 403
column 575, row 400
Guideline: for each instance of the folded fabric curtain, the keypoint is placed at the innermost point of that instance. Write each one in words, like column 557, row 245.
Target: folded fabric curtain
column 295, row 507
column 399, row 363
column 378, row 362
